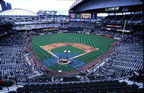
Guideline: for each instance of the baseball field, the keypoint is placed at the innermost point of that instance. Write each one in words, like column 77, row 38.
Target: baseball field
column 79, row 49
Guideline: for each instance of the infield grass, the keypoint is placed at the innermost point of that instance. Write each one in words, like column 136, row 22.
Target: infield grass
column 72, row 49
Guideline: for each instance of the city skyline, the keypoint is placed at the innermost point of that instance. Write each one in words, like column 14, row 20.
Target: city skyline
column 62, row 6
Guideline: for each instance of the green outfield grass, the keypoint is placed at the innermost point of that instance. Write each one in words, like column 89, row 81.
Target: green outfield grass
column 100, row 42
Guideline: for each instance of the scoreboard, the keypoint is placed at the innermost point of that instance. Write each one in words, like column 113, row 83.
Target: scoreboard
column 85, row 16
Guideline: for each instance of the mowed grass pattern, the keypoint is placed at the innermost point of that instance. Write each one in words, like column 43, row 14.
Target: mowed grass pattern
column 40, row 52
column 72, row 49
column 100, row 42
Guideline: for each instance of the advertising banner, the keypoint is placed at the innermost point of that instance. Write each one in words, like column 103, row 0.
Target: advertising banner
column 78, row 16
column 85, row 16
column 94, row 15
column 78, row 19
column 72, row 16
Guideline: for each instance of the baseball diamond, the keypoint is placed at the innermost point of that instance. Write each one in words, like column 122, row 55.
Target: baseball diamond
column 83, row 49
column 71, row 46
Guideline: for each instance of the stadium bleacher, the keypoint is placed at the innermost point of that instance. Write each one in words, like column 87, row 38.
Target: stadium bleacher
column 101, row 86
column 126, row 59
column 120, row 19
column 119, row 72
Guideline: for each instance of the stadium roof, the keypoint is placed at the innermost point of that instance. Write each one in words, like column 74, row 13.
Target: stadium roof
column 86, row 5
column 17, row 12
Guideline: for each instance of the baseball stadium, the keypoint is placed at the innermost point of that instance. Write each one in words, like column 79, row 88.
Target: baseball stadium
column 71, row 46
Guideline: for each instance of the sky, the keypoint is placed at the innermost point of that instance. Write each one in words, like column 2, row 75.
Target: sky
column 62, row 6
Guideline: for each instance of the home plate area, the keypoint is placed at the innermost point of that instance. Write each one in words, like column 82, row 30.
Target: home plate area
column 72, row 63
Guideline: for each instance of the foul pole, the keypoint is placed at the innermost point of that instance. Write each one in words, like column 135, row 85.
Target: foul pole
column 124, row 28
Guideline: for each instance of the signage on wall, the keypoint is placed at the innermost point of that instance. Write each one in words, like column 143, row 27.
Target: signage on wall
column 78, row 19
column 86, row 16
column 93, row 15
column 72, row 16
column 125, row 9
column 72, row 19
column 112, row 9
column 78, row 16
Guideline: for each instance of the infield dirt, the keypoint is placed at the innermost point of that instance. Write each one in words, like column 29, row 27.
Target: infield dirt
column 84, row 47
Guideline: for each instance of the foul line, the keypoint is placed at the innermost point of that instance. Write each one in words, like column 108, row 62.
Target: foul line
column 78, row 56
column 53, row 54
